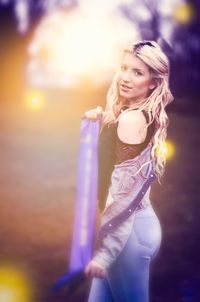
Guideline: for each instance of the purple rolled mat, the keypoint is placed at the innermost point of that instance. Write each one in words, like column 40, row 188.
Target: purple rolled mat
column 86, row 204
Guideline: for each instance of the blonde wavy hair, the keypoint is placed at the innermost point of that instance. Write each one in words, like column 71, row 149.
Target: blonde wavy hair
column 153, row 56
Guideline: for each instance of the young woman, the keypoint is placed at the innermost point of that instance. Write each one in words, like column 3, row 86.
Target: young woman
column 131, row 146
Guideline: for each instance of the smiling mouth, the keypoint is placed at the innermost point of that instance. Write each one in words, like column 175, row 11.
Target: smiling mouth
column 125, row 87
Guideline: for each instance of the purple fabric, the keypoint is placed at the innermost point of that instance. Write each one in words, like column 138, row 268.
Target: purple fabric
column 86, row 203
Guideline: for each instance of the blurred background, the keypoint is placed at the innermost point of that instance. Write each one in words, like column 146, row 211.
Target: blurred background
column 57, row 58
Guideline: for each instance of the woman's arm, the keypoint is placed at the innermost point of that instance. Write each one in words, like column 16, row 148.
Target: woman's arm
column 131, row 127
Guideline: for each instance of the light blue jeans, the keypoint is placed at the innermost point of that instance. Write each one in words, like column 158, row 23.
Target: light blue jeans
column 128, row 277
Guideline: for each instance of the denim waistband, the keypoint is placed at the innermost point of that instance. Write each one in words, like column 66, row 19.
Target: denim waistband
column 145, row 211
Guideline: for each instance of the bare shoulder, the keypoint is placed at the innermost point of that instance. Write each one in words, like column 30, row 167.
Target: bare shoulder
column 131, row 127
column 132, row 117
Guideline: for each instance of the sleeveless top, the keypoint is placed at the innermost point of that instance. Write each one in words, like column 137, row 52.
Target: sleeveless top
column 125, row 151
column 113, row 151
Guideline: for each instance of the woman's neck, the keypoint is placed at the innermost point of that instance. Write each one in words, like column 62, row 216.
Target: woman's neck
column 134, row 103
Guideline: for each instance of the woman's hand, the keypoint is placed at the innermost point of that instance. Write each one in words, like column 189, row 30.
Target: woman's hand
column 94, row 114
column 93, row 269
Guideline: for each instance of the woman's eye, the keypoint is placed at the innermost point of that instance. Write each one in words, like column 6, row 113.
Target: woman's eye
column 137, row 73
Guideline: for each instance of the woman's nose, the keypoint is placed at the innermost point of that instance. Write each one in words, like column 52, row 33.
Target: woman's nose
column 126, row 76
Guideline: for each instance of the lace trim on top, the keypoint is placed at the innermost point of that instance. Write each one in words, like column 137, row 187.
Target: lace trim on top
column 126, row 151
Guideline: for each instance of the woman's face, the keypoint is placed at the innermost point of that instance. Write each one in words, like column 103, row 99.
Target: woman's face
column 134, row 80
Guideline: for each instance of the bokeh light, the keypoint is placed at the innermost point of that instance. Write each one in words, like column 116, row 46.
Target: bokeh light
column 166, row 150
column 34, row 99
column 184, row 13
column 170, row 148
column 69, row 47
column 14, row 285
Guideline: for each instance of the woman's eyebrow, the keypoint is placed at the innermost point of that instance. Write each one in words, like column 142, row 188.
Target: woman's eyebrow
column 133, row 68
column 129, row 65
column 138, row 69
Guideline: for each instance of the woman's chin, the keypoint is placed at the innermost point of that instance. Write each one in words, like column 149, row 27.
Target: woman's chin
column 125, row 94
